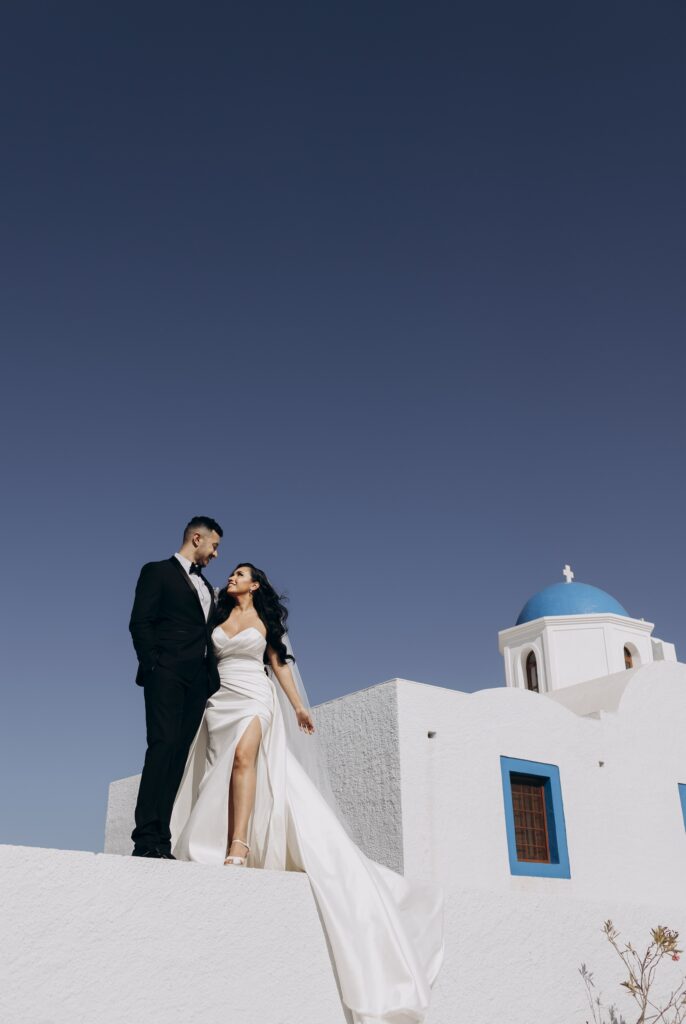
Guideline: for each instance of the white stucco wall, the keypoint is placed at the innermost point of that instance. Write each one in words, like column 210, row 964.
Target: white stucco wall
column 662, row 650
column 513, row 956
column 595, row 695
column 95, row 939
column 623, row 818
column 360, row 734
column 121, row 803
column 92, row 939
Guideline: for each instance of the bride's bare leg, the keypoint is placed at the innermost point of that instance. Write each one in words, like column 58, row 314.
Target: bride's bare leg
column 242, row 790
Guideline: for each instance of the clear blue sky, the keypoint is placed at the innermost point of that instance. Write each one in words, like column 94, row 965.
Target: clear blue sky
column 391, row 290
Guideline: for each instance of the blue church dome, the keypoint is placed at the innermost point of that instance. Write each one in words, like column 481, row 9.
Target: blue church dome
column 569, row 599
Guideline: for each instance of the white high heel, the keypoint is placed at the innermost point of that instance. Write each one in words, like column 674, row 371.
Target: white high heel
column 238, row 861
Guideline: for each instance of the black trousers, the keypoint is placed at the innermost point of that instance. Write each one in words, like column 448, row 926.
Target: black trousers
column 173, row 710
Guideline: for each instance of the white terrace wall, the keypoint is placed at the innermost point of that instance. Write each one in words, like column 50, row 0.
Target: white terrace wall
column 96, row 939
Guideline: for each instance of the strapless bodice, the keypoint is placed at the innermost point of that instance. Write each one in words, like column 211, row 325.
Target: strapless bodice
column 248, row 645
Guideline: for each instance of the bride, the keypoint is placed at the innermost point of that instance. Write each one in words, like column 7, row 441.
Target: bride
column 251, row 795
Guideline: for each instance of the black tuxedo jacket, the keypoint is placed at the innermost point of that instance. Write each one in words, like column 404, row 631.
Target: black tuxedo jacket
column 168, row 624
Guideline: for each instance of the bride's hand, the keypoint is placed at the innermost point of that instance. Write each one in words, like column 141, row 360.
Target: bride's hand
column 305, row 720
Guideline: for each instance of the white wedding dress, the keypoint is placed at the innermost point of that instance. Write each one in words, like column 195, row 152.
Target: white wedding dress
column 385, row 933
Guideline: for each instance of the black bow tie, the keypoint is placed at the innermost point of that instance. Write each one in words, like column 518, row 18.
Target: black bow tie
column 195, row 570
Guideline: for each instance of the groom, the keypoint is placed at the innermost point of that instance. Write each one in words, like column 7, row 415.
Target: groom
column 171, row 627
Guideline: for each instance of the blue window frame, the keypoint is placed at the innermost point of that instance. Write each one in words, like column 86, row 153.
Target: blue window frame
column 682, row 797
column 548, row 777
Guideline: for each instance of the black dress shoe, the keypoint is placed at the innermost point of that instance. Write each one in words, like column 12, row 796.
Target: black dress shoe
column 143, row 851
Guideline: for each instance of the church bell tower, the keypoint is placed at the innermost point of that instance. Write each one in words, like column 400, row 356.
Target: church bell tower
column 571, row 632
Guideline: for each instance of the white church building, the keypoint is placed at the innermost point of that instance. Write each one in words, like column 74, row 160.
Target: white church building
column 543, row 808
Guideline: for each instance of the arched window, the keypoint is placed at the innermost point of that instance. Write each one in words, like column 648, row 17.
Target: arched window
column 531, row 672
column 628, row 658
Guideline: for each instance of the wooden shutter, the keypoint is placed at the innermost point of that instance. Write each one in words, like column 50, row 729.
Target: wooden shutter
column 530, row 818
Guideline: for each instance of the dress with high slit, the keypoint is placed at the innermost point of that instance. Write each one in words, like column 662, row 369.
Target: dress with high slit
column 385, row 931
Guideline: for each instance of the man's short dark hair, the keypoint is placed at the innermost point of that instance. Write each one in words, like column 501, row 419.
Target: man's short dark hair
column 198, row 522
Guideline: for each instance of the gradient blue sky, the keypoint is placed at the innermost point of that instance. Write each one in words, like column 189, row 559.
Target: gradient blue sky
column 391, row 290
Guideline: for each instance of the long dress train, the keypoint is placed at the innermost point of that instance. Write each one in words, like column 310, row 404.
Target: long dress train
column 385, row 933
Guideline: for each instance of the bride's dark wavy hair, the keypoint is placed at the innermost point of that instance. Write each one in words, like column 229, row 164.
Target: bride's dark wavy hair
column 269, row 606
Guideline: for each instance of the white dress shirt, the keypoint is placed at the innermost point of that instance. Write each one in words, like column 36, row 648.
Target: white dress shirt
column 203, row 592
